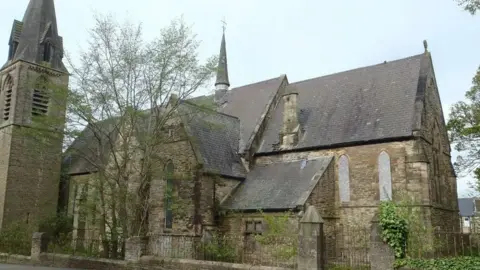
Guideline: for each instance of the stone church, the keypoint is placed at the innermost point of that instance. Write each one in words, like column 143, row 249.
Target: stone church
column 341, row 142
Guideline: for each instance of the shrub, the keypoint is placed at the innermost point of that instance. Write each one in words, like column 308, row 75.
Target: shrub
column 454, row 263
column 394, row 228
column 57, row 226
column 219, row 248
column 16, row 239
column 281, row 237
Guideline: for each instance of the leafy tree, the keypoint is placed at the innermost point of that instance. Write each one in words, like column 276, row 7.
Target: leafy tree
column 471, row 6
column 464, row 127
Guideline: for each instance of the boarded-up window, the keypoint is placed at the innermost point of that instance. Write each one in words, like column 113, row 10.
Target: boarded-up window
column 384, row 176
column 169, row 170
column 344, row 179
column 7, row 95
column 40, row 97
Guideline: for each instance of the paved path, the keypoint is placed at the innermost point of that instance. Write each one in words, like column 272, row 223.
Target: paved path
column 20, row 267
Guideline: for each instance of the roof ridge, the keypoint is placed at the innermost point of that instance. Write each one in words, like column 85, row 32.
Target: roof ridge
column 250, row 84
column 354, row 69
column 185, row 101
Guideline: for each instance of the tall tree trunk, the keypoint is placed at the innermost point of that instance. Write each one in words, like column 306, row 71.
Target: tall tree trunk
column 103, row 216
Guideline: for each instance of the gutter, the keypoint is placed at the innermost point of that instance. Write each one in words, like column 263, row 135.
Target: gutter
column 337, row 145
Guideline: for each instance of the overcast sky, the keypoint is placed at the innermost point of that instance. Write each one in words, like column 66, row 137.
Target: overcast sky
column 302, row 38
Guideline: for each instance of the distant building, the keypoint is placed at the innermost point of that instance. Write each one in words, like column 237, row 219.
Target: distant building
column 469, row 218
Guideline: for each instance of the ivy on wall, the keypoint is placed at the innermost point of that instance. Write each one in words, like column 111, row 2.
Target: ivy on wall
column 394, row 228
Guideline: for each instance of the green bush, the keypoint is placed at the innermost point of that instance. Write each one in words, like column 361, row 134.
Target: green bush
column 57, row 226
column 394, row 228
column 16, row 239
column 455, row 263
column 281, row 237
column 219, row 248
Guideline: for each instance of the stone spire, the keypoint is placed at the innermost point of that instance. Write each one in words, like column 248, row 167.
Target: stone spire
column 222, row 82
column 36, row 38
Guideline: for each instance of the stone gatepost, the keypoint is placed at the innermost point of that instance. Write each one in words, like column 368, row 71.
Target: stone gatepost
column 382, row 256
column 134, row 247
column 39, row 245
column 311, row 241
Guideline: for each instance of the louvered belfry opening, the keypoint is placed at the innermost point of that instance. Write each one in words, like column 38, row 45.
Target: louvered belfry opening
column 8, row 98
column 40, row 98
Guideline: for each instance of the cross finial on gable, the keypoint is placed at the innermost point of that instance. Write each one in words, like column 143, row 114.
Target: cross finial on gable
column 425, row 45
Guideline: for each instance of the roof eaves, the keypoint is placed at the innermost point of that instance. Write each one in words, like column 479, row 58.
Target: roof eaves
column 336, row 145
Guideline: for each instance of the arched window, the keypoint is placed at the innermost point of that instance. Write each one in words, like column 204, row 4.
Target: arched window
column 169, row 170
column 40, row 97
column 7, row 97
column 384, row 177
column 344, row 179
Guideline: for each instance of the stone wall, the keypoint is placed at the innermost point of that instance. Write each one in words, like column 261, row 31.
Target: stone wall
column 248, row 249
column 409, row 170
column 436, row 145
column 184, row 201
column 363, row 168
column 224, row 187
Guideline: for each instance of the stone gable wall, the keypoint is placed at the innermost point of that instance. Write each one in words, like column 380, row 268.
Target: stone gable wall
column 181, row 153
column 441, row 176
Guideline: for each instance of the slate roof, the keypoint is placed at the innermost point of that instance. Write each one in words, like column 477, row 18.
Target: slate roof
column 278, row 185
column 81, row 156
column 466, row 207
column 38, row 22
column 370, row 103
column 216, row 138
column 248, row 103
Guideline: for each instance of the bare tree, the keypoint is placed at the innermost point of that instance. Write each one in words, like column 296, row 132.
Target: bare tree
column 120, row 98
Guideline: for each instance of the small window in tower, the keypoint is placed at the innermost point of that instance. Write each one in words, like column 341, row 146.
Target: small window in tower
column 40, row 98
column 48, row 52
column 8, row 92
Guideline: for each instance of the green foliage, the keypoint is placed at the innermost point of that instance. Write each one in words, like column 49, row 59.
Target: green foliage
column 57, row 226
column 281, row 237
column 394, row 228
column 471, row 6
column 464, row 128
column 455, row 263
column 419, row 240
column 219, row 248
column 16, row 239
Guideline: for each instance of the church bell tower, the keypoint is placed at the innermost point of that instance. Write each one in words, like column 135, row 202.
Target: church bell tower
column 33, row 87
